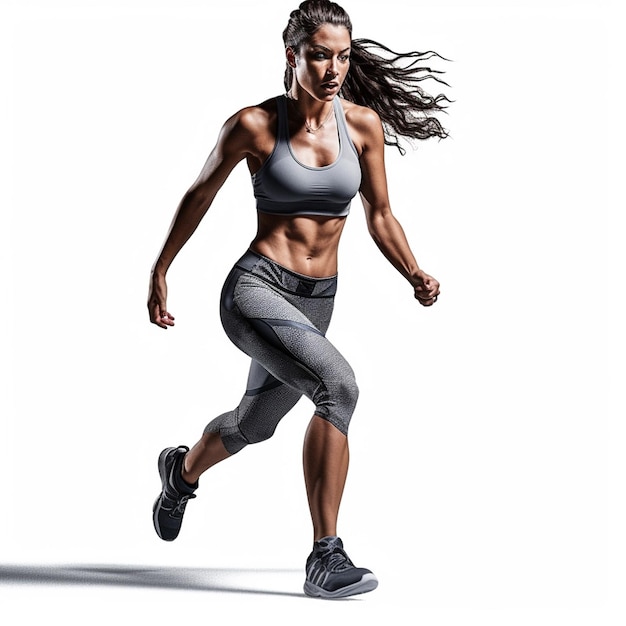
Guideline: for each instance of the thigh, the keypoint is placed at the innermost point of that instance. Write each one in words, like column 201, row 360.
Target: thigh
column 281, row 338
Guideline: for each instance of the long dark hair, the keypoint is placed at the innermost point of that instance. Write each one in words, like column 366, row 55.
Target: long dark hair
column 379, row 78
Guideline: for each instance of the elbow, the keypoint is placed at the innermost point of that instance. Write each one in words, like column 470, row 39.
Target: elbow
column 378, row 224
column 197, row 199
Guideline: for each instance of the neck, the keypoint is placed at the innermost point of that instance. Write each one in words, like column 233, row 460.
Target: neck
column 314, row 113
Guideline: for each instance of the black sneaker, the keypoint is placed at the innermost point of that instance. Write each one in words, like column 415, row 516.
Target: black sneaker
column 168, row 510
column 331, row 574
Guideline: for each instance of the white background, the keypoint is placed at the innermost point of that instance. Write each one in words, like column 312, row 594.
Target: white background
column 485, row 460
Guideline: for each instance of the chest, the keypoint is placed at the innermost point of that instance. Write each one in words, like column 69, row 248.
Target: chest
column 315, row 149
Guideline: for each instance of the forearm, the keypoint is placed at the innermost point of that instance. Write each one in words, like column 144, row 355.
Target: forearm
column 391, row 240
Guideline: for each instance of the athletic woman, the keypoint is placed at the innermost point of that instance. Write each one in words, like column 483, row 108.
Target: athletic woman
column 309, row 152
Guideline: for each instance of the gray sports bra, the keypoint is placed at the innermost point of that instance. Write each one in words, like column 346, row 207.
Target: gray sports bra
column 284, row 186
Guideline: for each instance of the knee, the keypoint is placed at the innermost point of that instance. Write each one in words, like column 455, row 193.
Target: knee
column 229, row 433
column 236, row 437
column 256, row 433
column 337, row 402
column 349, row 393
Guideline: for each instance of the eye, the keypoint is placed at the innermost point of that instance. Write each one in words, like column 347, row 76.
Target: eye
column 344, row 58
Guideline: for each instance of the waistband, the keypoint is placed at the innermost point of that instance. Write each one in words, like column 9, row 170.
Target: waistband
column 287, row 279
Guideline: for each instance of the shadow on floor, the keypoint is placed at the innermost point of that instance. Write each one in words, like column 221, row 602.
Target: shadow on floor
column 273, row 582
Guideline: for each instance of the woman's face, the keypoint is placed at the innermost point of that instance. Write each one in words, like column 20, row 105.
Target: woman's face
column 321, row 64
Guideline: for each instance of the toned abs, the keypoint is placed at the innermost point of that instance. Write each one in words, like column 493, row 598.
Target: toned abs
column 307, row 244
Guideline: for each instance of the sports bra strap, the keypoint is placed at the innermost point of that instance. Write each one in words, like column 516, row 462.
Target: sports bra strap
column 283, row 118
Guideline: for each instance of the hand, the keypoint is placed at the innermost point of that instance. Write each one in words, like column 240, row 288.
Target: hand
column 426, row 289
column 157, row 302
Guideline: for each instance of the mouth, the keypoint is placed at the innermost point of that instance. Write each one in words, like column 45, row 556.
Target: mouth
column 330, row 86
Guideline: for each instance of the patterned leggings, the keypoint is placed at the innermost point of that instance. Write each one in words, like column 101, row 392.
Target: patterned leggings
column 279, row 318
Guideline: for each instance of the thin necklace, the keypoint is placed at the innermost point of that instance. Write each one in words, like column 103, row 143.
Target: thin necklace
column 309, row 128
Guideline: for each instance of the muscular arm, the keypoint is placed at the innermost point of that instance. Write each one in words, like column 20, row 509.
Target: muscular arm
column 195, row 203
column 232, row 146
column 384, row 228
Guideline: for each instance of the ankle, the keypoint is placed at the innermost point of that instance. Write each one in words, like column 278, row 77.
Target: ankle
column 187, row 481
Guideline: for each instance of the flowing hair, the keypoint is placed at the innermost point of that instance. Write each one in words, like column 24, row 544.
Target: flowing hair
column 379, row 78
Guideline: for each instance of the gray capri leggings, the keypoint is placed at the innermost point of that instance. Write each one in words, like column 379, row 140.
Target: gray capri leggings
column 279, row 318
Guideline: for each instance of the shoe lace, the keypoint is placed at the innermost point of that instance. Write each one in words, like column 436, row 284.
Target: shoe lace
column 336, row 560
column 181, row 503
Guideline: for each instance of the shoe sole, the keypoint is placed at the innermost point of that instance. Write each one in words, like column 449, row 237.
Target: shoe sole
column 369, row 582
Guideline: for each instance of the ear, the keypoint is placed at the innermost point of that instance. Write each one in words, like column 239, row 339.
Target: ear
column 291, row 57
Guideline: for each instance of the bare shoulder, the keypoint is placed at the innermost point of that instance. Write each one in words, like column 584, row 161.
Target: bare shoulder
column 364, row 124
column 250, row 130
column 250, row 133
column 359, row 115
column 256, row 118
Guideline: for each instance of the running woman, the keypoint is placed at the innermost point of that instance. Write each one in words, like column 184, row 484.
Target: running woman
column 309, row 152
